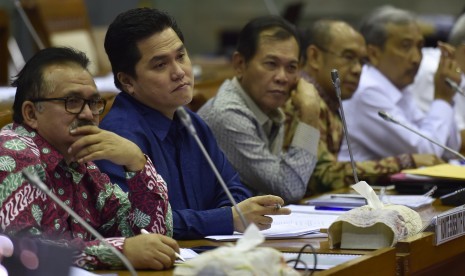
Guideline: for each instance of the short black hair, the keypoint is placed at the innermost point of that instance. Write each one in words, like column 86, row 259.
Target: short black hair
column 319, row 34
column 249, row 35
column 30, row 83
column 127, row 30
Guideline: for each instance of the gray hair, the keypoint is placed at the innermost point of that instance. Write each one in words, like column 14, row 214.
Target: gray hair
column 373, row 27
column 457, row 34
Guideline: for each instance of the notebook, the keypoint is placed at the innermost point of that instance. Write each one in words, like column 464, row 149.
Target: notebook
column 324, row 261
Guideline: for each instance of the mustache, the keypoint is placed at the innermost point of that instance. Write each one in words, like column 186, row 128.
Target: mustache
column 79, row 123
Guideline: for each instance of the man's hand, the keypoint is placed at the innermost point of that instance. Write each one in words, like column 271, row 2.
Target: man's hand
column 150, row 251
column 98, row 144
column 256, row 209
column 447, row 68
column 307, row 102
column 425, row 160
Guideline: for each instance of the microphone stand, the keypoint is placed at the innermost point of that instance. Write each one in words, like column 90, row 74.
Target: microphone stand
column 389, row 118
column 187, row 122
column 337, row 86
column 34, row 179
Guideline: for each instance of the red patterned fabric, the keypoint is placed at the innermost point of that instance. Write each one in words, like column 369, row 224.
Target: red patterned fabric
column 26, row 210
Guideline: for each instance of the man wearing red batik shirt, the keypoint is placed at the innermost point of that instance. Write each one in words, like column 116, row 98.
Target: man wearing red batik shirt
column 55, row 134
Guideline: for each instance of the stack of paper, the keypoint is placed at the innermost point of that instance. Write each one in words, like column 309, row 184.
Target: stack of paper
column 295, row 225
column 411, row 201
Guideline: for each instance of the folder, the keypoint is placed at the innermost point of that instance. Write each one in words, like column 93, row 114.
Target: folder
column 419, row 184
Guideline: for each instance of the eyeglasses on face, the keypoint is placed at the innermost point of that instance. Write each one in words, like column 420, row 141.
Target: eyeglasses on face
column 75, row 105
column 350, row 58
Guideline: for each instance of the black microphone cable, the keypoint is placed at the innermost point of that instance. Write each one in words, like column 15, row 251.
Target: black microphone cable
column 298, row 260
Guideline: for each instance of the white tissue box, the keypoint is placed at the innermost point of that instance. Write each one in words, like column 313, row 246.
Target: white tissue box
column 368, row 228
column 373, row 237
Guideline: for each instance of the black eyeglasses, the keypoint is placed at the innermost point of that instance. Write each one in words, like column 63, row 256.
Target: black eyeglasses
column 350, row 58
column 75, row 105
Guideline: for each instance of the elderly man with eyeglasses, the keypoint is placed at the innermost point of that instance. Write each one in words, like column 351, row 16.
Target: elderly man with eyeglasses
column 394, row 42
column 55, row 134
column 333, row 44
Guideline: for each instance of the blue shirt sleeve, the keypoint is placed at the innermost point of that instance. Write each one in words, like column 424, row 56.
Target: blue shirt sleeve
column 200, row 206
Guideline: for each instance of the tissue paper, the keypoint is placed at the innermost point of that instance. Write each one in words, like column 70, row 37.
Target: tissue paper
column 245, row 258
column 374, row 225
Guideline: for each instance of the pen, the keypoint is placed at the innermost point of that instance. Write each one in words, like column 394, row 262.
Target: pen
column 277, row 206
column 327, row 208
column 178, row 256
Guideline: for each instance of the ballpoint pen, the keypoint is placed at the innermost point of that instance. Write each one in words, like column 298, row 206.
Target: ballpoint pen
column 178, row 256
column 275, row 206
column 328, row 208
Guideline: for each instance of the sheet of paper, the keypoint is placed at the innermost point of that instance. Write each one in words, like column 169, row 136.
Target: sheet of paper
column 294, row 225
column 187, row 253
column 324, row 261
column 77, row 271
column 234, row 237
column 412, row 201
column 310, row 209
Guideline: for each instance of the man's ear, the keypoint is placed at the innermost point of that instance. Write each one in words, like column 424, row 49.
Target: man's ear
column 314, row 57
column 374, row 53
column 126, row 82
column 29, row 112
column 239, row 64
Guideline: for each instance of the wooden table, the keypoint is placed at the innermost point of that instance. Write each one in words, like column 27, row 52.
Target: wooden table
column 381, row 262
column 416, row 255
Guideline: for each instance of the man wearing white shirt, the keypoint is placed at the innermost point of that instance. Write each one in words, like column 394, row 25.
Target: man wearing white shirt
column 423, row 87
column 394, row 43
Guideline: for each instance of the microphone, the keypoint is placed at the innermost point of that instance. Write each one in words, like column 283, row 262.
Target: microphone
column 34, row 179
column 387, row 117
column 454, row 86
column 337, row 86
column 187, row 122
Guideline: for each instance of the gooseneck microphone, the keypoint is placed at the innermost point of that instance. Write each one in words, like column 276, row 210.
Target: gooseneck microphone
column 187, row 122
column 454, row 86
column 34, row 179
column 387, row 117
column 337, row 86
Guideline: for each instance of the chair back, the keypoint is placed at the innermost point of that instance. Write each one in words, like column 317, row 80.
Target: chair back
column 64, row 23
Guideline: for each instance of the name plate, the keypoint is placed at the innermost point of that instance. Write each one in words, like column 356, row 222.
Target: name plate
column 450, row 225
